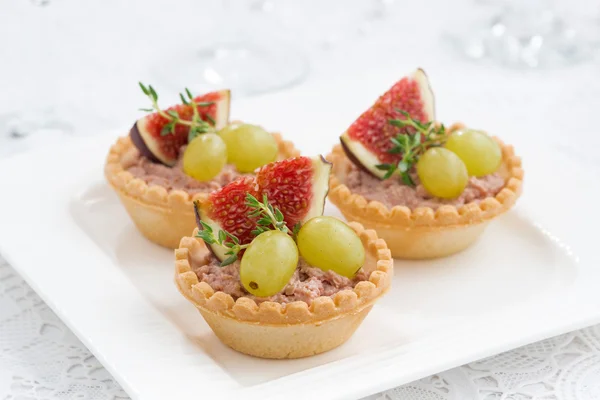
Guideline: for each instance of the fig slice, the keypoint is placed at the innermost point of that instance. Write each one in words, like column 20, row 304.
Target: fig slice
column 146, row 134
column 296, row 186
column 367, row 141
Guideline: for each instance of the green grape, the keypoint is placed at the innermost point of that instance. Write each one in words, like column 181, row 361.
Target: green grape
column 268, row 263
column 480, row 153
column 330, row 244
column 249, row 146
column 205, row 157
column 442, row 173
column 227, row 133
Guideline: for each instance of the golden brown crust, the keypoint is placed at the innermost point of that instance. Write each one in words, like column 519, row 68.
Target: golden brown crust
column 359, row 208
column 163, row 216
column 155, row 195
column 323, row 308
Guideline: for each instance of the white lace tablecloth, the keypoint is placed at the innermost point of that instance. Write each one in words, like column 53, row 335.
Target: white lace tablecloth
column 41, row 359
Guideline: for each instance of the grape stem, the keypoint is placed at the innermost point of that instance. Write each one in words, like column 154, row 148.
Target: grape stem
column 197, row 125
column 412, row 145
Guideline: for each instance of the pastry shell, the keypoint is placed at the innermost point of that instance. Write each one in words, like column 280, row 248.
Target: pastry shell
column 163, row 216
column 423, row 232
column 294, row 330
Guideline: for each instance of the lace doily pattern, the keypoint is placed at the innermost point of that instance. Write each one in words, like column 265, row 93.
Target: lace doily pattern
column 41, row 359
column 565, row 367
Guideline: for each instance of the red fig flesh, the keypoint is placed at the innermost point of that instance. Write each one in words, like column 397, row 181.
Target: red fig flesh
column 146, row 133
column 296, row 186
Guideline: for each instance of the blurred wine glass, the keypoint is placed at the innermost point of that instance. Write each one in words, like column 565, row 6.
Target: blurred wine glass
column 531, row 34
column 247, row 53
column 323, row 25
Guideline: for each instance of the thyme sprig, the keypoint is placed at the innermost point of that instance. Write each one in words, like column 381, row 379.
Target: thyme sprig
column 268, row 215
column 412, row 145
column 269, row 218
column 224, row 239
column 197, row 125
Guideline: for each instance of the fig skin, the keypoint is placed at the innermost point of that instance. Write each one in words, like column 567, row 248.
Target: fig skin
column 136, row 138
column 354, row 160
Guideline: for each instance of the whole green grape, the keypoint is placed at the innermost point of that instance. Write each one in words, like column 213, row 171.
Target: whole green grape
column 227, row 133
column 329, row 244
column 480, row 153
column 268, row 263
column 249, row 146
column 442, row 173
column 205, row 157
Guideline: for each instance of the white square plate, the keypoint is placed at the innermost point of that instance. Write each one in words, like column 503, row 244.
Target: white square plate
column 533, row 274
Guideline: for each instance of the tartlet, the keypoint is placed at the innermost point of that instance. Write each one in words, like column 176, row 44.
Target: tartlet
column 297, row 329
column 424, row 232
column 162, row 215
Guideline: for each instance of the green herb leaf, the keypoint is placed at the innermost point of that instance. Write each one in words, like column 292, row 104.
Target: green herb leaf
column 264, row 221
column 206, row 226
column 192, row 134
column 205, row 103
column 146, row 109
column 233, row 238
column 278, row 215
column 153, row 93
column 296, row 229
column 407, row 179
column 166, row 130
column 211, row 119
column 407, row 115
column 183, row 99
column 255, row 213
column 229, row 260
column 389, row 173
column 397, row 122
column 222, row 237
column 251, row 200
column 206, row 236
column 144, row 89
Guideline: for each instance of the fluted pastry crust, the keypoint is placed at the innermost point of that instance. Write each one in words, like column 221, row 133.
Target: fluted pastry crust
column 396, row 224
column 163, row 216
column 379, row 261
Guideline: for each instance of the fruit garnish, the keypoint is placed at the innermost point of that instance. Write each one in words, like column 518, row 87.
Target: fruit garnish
column 249, row 146
column 330, row 244
column 296, row 186
column 367, row 141
column 268, row 263
column 480, row 153
column 226, row 210
column 262, row 214
column 442, row 173
column 159, row 136
column 267, row 216
column 204, row 157
column 409, row 147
